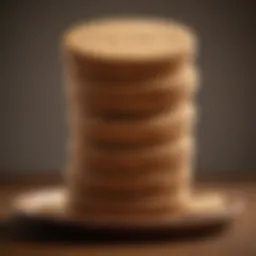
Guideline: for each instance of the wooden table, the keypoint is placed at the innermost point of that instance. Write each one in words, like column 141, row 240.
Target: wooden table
column 239, row 240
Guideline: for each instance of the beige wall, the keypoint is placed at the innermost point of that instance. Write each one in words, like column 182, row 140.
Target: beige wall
column 32, row 110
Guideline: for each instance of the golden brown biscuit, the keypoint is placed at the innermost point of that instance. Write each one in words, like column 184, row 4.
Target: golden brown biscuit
column 142, row 98
column 163, row 128
column 159, row 184
column 129, row 204
column 131, row 40
column 130, row 86
column 169, row 156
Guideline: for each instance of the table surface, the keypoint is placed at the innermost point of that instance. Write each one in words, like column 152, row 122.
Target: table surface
column 238, row 240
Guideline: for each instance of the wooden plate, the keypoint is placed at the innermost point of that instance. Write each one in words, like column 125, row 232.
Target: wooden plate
column 41, row 216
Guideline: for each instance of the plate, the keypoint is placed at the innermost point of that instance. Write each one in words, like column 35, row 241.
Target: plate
column 41, row 215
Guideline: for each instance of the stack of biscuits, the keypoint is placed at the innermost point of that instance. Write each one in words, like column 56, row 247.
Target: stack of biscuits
column 130, row 86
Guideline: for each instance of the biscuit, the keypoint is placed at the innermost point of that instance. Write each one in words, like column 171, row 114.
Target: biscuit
column 159, row 129
column 146, row 204
column 137, row 99
column 130, row 85
column 159, row 184
column 133, row 180
column 121, row 160
column 130, row 40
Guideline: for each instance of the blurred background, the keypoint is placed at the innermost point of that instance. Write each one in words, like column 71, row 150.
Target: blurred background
column 32, row 104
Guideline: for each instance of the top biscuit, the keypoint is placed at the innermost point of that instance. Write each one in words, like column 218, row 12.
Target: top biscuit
column 134, row 40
